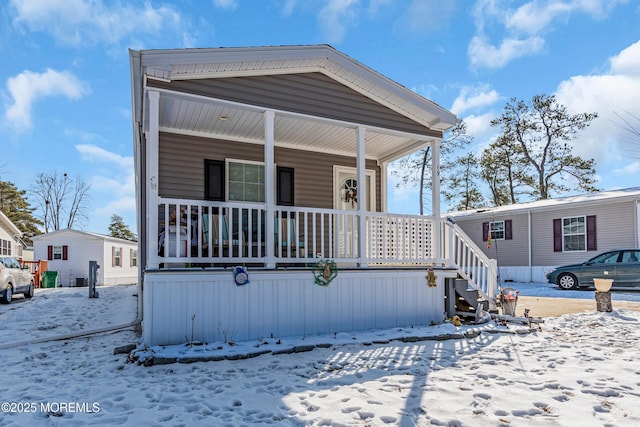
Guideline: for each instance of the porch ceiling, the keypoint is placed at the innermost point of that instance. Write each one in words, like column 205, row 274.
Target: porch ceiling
column 212, row 118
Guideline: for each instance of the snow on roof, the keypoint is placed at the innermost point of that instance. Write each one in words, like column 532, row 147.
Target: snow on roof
column 9, row 225
column 558, row 203
column 86, row 233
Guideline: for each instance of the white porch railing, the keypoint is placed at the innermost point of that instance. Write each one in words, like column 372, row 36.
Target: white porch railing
column 480, row 271
column 203, row 233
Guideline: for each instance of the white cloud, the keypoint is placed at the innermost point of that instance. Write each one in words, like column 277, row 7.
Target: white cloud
column 426, row 16
column 611, row 94
column 524, row 27
column 96, row 154
column 474, row 97
column 288, row 6
column 27, row 87
column 627, row 62
column 335, row 17
column 536, row 16
column 480, row 126
column 78, row 22
column 483, row 54
column 225, row 4
column 116, row 187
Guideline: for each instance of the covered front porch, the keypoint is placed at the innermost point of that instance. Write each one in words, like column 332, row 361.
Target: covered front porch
column 277, row 159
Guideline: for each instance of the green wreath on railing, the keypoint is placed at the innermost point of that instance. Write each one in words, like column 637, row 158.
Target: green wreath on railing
column 324, row 272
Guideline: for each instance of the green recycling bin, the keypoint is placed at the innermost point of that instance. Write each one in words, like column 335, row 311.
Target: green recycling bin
column 49, row 279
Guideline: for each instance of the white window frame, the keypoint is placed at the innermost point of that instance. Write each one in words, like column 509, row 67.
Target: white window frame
column 584, row 234
column 57, row 253
column 117, row 256
column 494, row 231
column 5, row 247
column 226, row 179
column 134, row 258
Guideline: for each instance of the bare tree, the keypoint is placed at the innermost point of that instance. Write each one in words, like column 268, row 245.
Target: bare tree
column 630, row 123
column 413, row 169
column 62, row 201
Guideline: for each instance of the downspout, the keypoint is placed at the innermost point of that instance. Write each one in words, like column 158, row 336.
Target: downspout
column 530, row 245
column 138, row 154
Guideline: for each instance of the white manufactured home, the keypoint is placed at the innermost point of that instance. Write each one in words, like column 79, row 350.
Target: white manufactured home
column 529, row 239
column 69, row 251
column 275, row 159
column 10, row 238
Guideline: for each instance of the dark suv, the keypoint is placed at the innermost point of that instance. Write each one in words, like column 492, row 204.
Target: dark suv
column 14, row 279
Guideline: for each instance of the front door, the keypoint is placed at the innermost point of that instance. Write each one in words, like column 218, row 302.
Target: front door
column 345, row 198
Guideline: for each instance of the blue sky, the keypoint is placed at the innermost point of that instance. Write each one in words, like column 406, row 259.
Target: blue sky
column 65, row 81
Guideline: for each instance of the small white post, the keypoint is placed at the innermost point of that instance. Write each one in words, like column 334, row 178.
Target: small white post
column 435, row 199
column 362, row 197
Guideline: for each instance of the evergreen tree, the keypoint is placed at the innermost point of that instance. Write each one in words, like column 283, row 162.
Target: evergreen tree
column 462, row 190
column 541, row 130
column 505, row 171
column 117, row 228
column 14, row 204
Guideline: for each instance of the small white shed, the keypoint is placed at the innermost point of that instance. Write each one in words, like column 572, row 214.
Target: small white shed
column 69, row 251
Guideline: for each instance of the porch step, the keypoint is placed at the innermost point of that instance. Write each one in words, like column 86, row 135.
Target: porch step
column 467, row 300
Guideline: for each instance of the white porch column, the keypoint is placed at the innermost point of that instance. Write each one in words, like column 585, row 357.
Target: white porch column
column 269, row 187
column 384, row 197
column 153, row 166
column 435, row 200
column 362, row 197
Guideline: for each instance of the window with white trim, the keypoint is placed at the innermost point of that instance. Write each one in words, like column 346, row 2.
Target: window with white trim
column 245, row 181
column 5, row 247
column 117, row 257
column 133, row 256
column 574, row 234
column 497, row 230
column 57, row 252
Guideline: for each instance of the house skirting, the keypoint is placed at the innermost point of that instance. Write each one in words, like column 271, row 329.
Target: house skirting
column 208, row 306
column 536, row 274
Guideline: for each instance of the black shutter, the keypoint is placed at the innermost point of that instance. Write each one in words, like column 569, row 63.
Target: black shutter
column 285, row 186
column 49, row 252
column 214, row 180
column 65, row 252
column 485, row 231
column 508, row 233
column 557, row 235
column 591, row 233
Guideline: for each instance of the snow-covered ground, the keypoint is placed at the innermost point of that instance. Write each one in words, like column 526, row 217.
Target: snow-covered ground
column 579, row 369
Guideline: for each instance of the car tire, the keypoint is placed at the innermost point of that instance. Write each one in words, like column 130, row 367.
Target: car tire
column 30, row 292
column 8, row 295
column 567, row 281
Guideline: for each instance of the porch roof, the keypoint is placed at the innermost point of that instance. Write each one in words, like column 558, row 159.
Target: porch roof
column 198, row 115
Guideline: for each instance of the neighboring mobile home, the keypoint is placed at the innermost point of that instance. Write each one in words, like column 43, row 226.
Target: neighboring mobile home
column 529, row 239
column 275, row 159
column 10, row 238
column 69, row 251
